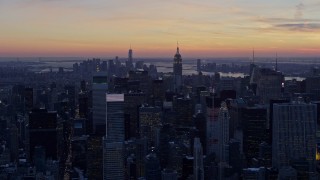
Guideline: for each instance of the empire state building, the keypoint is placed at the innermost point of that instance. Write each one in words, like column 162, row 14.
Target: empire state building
column 177, row 72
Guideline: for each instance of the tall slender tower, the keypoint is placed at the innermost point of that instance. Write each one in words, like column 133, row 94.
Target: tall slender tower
column 130, row 54
column 99, row 90
column 252, row 65
column 129, row 62
column 223, row 119
column 177, row 71
column 198, row 171
column 253, row 56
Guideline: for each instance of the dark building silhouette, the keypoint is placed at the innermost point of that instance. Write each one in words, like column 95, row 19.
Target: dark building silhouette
column 265, row 154
column 235, row 160
column 169, row 174
column 167, row 133
column 150, row 119
column 270, row 124
column 144, row 80
column 254, row 130
column 226, row 94
column 201, row 125
column 158, row 91
column 187, row 167
column 95, row 157
column 83, row 85
column 120, row 85
column 28, row 98
column 177, row 72
column 71, row 95
column 13, row 142
column 83, row 100
column 40, row 158
column 153, row 170
column 79, row 152
column 132, row 102
column 198, row 65
column 183, row 108
column 42, row 131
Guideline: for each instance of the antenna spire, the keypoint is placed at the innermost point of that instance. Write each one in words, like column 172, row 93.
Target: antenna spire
column 177, row 47
column 253, row 56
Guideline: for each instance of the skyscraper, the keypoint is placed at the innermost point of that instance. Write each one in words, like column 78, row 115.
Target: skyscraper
column 201, row 125
column 71, row 96
column 294, row 134
column 83, row 101
column 168, row 174
column 28, row 98
column 158, row 91
column 130, row 55
column 223, row 121
column 149, row 123
column 254, row 123
column 269, row 125
column 183, row 108
column 115, row 117
column 198, row 65
column 177, row 72
column 268, row 83
column 143, row 79
column 153, row 170
column 198, row 171
column 113, row 147
column 129, row 63
column 94, row 157
column 13, row 142
column 99, row 90
column 132, row 103
column 42, row 131
column 113, row 160
column 211, row 113
column 218, row 130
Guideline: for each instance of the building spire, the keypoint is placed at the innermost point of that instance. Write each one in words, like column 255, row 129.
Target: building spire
column 177, row 47
column 253, row 56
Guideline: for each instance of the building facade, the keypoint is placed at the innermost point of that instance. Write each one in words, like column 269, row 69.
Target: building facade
column 99, row 90
column 294, row 134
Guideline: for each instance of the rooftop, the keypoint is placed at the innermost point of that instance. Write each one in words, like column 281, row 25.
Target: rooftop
column 115, row 97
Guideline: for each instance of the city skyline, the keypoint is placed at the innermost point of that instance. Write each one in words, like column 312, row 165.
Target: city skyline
column 204, row 29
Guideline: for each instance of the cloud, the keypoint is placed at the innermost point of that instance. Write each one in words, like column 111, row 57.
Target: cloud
column 299, row 11
column 300, row 26
column 283, row 20
column 298, row 23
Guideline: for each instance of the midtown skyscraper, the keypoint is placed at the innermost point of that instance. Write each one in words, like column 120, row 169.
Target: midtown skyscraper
column 294, row 134
column 130, row 55
column 198, row 170
column 177, row 72
column 113, row 147
column 223, row 120
column 99, row 90
column 129, row 62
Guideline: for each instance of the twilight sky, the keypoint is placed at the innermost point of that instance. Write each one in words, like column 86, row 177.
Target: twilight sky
column 204, row 28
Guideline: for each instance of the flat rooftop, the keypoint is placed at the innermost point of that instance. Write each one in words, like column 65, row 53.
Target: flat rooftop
column 115, row 97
